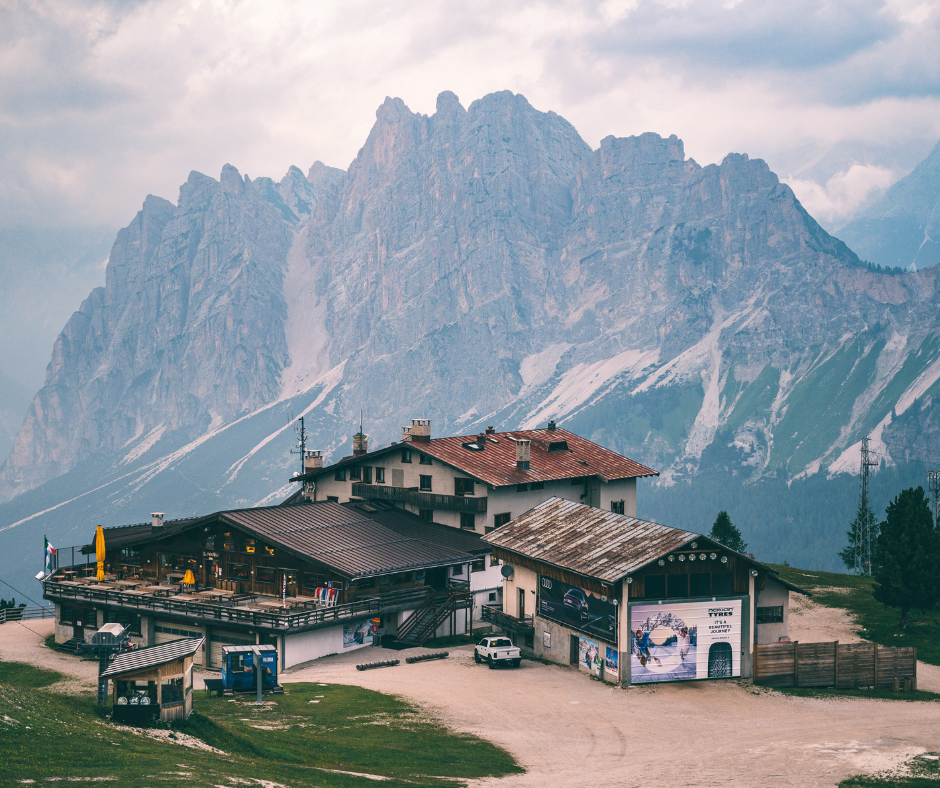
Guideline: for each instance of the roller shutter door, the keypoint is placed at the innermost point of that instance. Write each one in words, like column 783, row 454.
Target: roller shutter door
column 167, row 631
column 219, row 638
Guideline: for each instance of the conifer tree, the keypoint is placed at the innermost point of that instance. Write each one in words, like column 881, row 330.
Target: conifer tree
column 848, row 554
column 724, row 531
column 906, row 574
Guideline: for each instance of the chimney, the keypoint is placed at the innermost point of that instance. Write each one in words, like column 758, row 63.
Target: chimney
column 551, row 425
column 490, row 431
column 406, row 434
column 421, row 430
column 156, row 519
column 481, row 440
column 313, row 460
column 360, row 445
column 523, row 446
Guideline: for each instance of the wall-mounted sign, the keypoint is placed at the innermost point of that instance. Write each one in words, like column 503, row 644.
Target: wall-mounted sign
column 685, row 640
column 578, row 609
column 209, row 554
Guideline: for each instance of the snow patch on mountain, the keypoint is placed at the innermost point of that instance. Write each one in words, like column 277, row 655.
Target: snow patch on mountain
column 149, row 441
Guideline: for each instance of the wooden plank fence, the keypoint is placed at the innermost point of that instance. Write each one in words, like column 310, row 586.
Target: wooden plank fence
column 840, row 665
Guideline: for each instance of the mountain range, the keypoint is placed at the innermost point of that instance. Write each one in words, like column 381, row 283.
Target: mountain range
column 479, row 266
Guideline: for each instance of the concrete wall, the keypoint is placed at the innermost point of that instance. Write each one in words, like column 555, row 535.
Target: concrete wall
column 304, row 646
column 557, row 647
column 773, row 595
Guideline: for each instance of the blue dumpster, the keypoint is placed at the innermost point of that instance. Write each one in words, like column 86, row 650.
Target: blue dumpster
column 239, row 663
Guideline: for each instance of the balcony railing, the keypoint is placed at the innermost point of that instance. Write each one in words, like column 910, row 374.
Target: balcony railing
column 423, row 500
column 496, row 616
column 276, row 620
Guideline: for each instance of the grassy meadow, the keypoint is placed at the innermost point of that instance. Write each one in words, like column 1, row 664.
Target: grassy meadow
column 312, row 735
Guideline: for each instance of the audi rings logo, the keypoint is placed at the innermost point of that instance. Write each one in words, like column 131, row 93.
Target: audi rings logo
column 547, row 583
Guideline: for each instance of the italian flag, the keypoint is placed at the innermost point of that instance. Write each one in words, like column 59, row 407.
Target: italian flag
column 50, row 557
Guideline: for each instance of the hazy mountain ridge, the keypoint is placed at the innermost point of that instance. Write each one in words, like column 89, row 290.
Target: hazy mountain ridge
column 478, row 266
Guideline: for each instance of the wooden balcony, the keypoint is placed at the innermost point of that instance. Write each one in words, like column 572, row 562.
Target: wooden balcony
column 495, row 615
column 422, row 500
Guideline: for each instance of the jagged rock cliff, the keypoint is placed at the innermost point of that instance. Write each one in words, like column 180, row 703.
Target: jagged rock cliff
column 477, row 266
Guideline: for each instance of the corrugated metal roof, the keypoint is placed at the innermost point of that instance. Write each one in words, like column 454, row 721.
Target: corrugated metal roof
column 412, row 527
column 496, row 464
column 586, row 540
column 152, row 656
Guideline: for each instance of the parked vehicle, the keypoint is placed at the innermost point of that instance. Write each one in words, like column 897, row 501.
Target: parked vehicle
column 497, row 651
column 576, row 599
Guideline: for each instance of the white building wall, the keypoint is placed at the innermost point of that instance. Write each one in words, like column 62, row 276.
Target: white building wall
column 302, row 647
column 773, row 595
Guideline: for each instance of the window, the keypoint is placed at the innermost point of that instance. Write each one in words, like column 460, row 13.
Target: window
column 770, row 615
column 126, row 619
column 367, row 475
column 172, row 691
column 355, row 473
column 501, row 519
column 423, row 458
column 130, row 555
column 340, row 475
column 558, row 446
column 180, row 633
column 654, row 587
column 210, row 542
column 380, row 475
column 264, row 574
column 522, row 488
column 700, row 584
column 677, row 585
column 617, row 507
column 424, row 483
column 426, row 514
column 468, row 521
column 249, row 545
column 722, row 584
column 227, row 542
column 491, row 597
column 333, row 498
column 406, row 455
column 479, row 565
column 456, row 570
column 494, row 561
column 537, row 486
column 238, row 572
column 463, row 486
column 312, row 581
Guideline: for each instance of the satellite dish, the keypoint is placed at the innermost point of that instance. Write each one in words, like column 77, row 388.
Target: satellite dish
column 506, row 570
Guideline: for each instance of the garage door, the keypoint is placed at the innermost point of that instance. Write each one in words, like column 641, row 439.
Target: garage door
column 166, row 631
column 219, row 638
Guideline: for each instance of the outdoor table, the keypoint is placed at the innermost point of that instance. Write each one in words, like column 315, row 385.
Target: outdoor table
column 214, row 685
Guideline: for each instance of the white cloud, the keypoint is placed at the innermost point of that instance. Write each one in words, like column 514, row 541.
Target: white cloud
column 843, row 194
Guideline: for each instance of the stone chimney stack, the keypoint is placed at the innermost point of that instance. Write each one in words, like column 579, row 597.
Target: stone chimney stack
column 156, row 519
column 406, row 434
column 551, row 425
column 360, row 445
column 481, row 440
column 490, row 430
column 523, row 447
column 313, row 461
column 421, row 430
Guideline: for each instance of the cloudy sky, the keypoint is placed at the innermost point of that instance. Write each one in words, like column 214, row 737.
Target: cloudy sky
column 102, row 103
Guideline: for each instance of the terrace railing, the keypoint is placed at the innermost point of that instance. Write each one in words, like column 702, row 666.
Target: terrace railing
column 24, row 613
column 496, row 616
column 273, row 619
column 423, row 500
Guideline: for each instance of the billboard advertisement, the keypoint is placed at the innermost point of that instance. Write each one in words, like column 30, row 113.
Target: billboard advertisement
column 358, row 633
column 574, row 607
column 676, row 641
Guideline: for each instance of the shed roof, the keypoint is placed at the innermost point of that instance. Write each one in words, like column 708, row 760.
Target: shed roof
column 554, row 454
column 152, row 656
column 587, row 540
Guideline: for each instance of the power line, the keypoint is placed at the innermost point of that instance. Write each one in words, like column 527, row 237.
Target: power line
column 21, row 593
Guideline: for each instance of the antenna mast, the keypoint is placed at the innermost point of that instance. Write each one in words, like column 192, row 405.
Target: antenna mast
column 933, row 482
column 301, row 433
column 863, row 521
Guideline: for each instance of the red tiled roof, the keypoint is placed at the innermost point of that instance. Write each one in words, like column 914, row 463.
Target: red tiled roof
column 496, row 464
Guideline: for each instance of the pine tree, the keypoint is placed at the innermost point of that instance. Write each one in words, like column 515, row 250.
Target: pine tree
column 725, row 532
column 848, row 554
column 906, row 575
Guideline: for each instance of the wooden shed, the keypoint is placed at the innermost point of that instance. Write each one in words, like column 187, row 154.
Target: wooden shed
column 153, row 682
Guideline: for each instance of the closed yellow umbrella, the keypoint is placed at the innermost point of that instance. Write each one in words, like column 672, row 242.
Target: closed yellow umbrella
column 188, row 578
column 99, row 552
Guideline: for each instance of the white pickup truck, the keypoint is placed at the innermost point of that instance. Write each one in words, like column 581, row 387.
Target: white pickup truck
column 497, row 651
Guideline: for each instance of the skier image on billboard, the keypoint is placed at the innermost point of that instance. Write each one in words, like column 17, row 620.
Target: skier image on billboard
column 664, row 648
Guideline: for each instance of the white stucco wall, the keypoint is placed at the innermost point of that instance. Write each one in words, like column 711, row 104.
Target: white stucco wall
column 304, row 646
column 773, row 595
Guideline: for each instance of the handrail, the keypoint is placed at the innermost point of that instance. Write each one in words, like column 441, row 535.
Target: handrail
column 423, row 500
column 496, row 616
column 25, row 613
column 271, row 619
column 457, row 600
column 404, row 629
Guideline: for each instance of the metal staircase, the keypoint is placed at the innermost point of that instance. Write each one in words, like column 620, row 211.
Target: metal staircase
column 421, row 625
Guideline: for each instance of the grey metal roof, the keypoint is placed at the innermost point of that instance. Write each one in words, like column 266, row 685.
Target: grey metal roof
column 248, row 649
column 411, row 526
column 152, row 656
column 349, row 541
column 587, row 540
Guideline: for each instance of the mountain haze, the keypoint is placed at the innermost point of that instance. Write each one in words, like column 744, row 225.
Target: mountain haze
column 478, row 266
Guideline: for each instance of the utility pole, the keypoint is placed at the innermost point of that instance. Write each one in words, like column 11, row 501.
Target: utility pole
column 863, row 522
column 933, row 482
column 301, row 433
